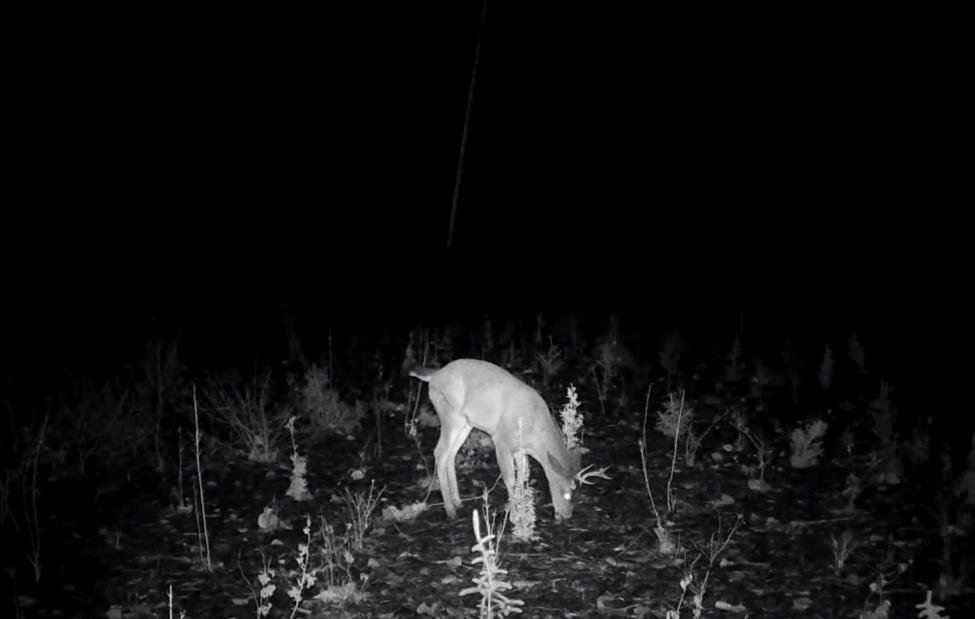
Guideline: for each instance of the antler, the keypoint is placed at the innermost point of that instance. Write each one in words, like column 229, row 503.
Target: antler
column 583, row 477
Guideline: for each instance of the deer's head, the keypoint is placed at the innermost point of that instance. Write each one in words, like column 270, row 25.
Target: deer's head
column 567, row 478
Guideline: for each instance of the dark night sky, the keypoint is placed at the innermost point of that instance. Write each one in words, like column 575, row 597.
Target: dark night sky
column 165, row 165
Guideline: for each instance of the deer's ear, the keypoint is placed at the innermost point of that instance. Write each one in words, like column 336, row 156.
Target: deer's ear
column 558, row 467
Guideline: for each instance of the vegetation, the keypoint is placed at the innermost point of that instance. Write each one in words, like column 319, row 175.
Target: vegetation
column 743, row 480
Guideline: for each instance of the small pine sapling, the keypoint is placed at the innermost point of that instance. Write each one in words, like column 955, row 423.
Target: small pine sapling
column 843, row 547
column 733, row 372
column 856, row 354
column 675, row 419
column 298, row 489
column 490, row 583
column 807, row 444
column 852, row 491
column 825, row 373
column 550, row 362
column 670, row 355
column 885, row 459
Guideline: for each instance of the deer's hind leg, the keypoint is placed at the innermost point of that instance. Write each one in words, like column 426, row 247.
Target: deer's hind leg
column 453, row 432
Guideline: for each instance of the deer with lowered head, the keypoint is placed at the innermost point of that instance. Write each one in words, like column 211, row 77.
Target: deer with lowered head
column 469, row 393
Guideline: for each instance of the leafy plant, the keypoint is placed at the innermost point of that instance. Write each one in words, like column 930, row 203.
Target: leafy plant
column 490, row 583
column 571, row 419
column 359, row 508
column 326, row 413
column 298, row 488
column 521, row 500
column 254, row 422
column 807, row 444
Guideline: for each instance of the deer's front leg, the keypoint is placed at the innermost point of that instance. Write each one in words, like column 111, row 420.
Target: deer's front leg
column 506, row 462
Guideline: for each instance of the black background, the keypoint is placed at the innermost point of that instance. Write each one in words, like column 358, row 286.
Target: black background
column 202, row 171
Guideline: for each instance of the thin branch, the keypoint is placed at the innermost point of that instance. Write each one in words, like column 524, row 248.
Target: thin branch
column 643, row 458
column 199, row 476
column 467, row 123
column 673, row 462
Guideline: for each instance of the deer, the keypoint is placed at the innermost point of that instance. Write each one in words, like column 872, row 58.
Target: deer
column 471, row 393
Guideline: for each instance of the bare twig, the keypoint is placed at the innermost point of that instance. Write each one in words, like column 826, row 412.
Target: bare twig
column 199, row 477
column 643, row 458
column 673, row 461
column 602, row 404
column 31, row 521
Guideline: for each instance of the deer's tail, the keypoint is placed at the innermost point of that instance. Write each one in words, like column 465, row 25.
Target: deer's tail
column 423, row 374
